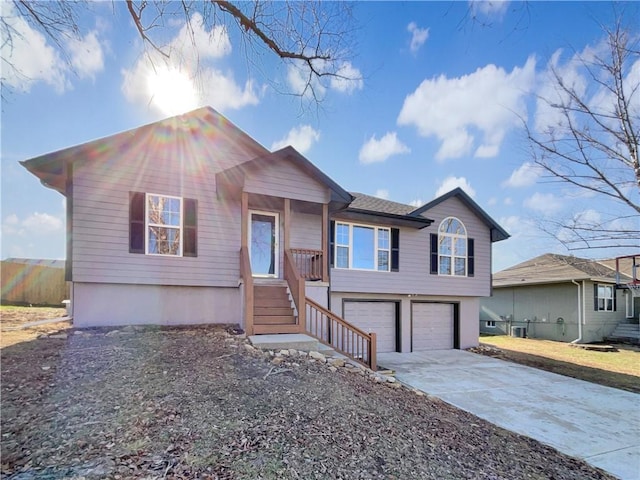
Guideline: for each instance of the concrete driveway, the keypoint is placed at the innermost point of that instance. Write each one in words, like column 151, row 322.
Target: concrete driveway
column 600, row 425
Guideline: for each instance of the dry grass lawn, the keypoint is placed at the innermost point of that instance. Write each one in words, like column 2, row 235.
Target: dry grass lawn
column 619, row 369
column 12, row 318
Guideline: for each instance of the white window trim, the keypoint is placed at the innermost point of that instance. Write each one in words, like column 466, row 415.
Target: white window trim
column 147, row 224
column 612, row 297
column 453, row 256
column 490, row 323
column 351, row 247
column 629, row 304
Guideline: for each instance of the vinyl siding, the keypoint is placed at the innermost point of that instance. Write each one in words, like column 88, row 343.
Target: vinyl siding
column 101, row 224
column 538, row 307
column 284, row 179
column 306, row 231
column 413, row 276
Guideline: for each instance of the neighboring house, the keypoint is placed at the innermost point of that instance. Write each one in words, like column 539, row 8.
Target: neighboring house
column 189, row 220
column 558, row 297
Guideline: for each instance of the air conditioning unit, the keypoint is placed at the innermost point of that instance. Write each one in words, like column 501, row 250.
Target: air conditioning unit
column 520, row 332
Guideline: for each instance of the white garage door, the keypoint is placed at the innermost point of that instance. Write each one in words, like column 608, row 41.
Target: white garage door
column 378, row 317
column 432, row 326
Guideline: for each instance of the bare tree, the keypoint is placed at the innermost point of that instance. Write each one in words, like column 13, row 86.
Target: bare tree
column 592, row 144
column 313, row 36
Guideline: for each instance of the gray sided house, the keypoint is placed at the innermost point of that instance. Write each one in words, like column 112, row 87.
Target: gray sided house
column 189, row 220
column 557, row 297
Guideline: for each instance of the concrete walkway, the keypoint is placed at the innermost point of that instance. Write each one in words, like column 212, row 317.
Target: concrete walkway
column 600, row 425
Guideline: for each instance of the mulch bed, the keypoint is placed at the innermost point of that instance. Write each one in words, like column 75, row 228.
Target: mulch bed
column 198, row 403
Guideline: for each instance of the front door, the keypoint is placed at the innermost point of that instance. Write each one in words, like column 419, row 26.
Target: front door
column 263, row 242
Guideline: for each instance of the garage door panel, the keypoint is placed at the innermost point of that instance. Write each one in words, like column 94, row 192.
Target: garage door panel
column 432, row 326
column 378, row 317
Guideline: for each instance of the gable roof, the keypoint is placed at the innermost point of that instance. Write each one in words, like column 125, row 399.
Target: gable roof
column 497, row 232
column 236, row 174
column 210, row 130
column 553, row 268
column 368, row 208
column 625, row 264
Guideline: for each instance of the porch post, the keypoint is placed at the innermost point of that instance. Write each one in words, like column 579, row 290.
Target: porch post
column 287, row 223
column 244, row 218
column 325, row 242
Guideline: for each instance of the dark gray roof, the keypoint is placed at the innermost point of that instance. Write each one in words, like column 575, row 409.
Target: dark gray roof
column 374, row 204
column 368, row 208
column 554, row 268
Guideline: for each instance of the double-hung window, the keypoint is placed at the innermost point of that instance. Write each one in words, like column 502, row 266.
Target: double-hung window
column 162, row 225
column 604, row 299
column 362, row 247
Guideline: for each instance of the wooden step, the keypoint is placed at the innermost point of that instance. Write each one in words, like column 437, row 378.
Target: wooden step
column 267, row 329
column 274, row 320
column 268, row 310
column 263, row 291
column 280, row 302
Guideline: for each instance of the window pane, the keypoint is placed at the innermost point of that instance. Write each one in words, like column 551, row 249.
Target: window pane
column 610, row 305
column 342, row 260
column 445, row 245
column 363, row 248
column 601, row 304
column 383, row 260
column 164, row 211
column 164, row 241
column 452, row 225
column 445, row 265
column 461, row 247
column 342, row 234
column 601, row 291
column 460, row 266
column 383, row 239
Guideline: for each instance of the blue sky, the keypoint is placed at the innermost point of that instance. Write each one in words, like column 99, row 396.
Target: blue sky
column 436, row 105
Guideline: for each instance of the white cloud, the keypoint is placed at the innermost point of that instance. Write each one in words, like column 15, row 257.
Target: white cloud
column 188, row 79
column 508, row 201
column 416, row 202
column 492, row 8
column 454, row 110
column 418, row 36
column 525, row 175
column 382, row 193
column 452, row 182
column 35, row 224
column 87, row 57
column 302, row 82
column 301, row 138
column 30, row 58
column 492, row 201
column 375, row 150
column 348, row 79
column 545, row 203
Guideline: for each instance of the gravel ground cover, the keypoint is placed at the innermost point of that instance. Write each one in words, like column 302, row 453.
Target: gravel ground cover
column 200, row 403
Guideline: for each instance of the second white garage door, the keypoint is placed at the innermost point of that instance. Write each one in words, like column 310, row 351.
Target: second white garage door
column 431, row 326
column 378, row 317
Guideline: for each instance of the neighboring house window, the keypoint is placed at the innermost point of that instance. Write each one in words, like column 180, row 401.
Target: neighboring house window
column 604, row 298
column 452, row 252
column 491, row 324
column 365, row 247
column 162, row 225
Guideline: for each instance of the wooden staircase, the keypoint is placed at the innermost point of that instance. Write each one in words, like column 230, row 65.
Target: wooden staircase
column 272, row 311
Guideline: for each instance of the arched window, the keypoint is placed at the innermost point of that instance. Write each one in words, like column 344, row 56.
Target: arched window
column 452, row 248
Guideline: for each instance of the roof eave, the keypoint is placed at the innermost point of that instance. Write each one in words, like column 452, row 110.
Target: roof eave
column 387, row 218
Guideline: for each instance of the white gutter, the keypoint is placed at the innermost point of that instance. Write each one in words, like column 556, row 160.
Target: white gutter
column 579, row 339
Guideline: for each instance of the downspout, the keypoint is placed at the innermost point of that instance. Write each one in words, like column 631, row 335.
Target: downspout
column 579, row 339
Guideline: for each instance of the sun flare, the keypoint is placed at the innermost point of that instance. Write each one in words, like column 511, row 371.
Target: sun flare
column 172, row 91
